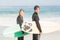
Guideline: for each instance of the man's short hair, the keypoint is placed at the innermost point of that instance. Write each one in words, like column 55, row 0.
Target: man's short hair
column 35, row 7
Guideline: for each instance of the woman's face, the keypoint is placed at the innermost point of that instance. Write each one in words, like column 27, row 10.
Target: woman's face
column 21, row 13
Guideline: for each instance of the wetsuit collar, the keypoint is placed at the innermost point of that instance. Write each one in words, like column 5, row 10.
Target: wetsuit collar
column 35, row 12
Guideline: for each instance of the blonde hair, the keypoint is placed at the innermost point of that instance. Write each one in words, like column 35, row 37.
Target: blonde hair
column 20, row 11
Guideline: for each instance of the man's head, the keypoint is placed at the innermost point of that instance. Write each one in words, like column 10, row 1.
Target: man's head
column 36, row 8
column 21, row 12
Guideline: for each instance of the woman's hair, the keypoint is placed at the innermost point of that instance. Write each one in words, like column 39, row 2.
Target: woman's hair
column 21, row 10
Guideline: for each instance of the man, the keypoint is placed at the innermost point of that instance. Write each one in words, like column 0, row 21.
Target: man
column 20, row 21
column 35, row 18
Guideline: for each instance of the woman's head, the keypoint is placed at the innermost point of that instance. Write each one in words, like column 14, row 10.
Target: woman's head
column 21, row 12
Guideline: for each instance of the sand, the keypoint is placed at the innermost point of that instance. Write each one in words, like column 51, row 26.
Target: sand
column 6, row 21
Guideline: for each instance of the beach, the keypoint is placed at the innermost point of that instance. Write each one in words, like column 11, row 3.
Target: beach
column 10, row 19
column 49, row 36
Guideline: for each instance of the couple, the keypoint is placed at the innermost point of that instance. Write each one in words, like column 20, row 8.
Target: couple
column 35, row 18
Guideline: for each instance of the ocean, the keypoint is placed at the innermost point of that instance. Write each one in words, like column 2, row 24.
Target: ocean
column 52, row 11
column 47, row 14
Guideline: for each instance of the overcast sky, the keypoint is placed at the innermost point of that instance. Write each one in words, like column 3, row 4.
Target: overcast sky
column 29, row 2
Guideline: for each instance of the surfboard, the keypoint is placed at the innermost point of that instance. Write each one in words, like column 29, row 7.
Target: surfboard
column 47, row 27
column 13, row 31
column 29, row 27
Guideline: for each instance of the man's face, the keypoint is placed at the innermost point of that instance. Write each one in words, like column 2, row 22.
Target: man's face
column 37, row 10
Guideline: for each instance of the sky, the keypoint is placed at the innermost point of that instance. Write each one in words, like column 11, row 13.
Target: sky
column 29, row 2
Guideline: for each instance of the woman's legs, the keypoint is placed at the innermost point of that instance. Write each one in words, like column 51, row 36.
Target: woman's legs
column 21, row 38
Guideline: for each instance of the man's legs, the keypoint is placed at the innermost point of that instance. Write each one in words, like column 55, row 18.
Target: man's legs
column 36, row 37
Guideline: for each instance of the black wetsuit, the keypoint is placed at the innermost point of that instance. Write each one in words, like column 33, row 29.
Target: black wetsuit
column 20, row 21
column 35, row 18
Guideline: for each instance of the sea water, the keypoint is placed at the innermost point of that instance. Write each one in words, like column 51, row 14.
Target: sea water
column 47, row 13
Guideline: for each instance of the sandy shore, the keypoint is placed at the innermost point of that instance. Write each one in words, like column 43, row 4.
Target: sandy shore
column 5, row 22
column 49, row 36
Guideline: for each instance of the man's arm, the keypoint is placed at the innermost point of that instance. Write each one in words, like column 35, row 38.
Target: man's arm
column 37, row 23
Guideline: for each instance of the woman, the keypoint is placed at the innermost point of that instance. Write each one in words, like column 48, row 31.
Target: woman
column 20, row 21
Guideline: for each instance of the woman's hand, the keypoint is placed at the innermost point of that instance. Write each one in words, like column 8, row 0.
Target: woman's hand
column 22, row 35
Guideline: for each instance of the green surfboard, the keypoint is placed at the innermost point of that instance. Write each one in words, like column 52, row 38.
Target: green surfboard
column 14, row 31
column 20, row 34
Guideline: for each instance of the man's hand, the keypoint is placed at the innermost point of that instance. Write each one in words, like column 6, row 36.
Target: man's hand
column 40, row 33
